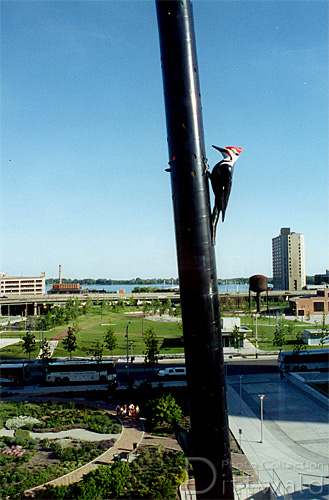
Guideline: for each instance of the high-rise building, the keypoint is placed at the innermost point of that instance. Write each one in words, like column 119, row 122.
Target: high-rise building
column 288, row 255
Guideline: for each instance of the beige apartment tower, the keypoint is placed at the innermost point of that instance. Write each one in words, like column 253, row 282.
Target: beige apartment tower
column 288, row 254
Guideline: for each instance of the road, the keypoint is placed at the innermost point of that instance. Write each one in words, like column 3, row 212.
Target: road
column 138, row 372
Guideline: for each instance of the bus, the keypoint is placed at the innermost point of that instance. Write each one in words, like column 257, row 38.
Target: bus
column 14, row 373
column 69, row 371
column 312, row 359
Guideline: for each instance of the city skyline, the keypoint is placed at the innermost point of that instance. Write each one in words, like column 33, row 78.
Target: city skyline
column 83, row 135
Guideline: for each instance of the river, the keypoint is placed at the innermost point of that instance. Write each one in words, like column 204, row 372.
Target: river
column 129, row 288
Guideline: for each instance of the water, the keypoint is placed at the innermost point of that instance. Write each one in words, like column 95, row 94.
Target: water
column 129, row 288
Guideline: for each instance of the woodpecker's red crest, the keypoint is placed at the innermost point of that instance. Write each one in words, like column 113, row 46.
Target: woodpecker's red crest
column 230, row 153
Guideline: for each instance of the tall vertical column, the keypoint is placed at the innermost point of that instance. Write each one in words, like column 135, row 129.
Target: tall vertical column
column 209, row 447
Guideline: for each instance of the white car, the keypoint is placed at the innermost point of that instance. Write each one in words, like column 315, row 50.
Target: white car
column 167, row 373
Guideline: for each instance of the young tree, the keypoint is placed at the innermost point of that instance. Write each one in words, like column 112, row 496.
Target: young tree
column 110, row 340
column 146, row 308
column 88, row 305
column 47, row 320
column 324, row 331
column 151, row 348
column 236, row 337
column 70, row 308
column 70, row 341
column 299, row 345
column 279, row 338
column 97, row 353
column 45, row 354
column 29, row 343
column 177, row 311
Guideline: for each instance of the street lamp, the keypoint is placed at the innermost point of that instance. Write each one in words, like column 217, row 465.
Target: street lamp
column 261, row 396
column 240, row 377
column 256, row 338
column 127, row 347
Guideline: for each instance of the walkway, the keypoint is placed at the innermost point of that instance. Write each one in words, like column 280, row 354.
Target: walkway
column 131, row 436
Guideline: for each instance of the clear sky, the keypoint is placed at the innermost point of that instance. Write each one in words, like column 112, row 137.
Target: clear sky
column 83, row 136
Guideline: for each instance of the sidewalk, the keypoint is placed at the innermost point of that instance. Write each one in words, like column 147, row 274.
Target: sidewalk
column 294, row 454
column 132, row 434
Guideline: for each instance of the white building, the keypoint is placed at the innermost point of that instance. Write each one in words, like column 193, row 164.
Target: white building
column 22, row 286
column 288, row 256
column 227, row 327
column 313, row 337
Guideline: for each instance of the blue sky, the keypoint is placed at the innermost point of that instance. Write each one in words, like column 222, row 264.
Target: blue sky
column 83, row 137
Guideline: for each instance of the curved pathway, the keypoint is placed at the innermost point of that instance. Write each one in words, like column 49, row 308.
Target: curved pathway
column 131, row 436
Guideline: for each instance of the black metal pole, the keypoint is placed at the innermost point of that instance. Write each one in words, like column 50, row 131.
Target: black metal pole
column 209, row 448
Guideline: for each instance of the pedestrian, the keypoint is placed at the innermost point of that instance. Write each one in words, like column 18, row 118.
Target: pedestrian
column 137, row 411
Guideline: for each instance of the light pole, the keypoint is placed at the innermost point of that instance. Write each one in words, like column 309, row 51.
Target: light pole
column 131, row 349
column 127, row 347
column 240, row 377
column 256, row 337
column 261, row 396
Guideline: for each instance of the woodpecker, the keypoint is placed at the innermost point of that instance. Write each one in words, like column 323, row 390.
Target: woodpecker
column 221, row 181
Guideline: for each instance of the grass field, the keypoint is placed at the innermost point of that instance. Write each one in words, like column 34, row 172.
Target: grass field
column 93, row 326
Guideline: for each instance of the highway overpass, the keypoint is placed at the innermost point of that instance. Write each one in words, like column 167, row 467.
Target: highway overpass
column 34, row 304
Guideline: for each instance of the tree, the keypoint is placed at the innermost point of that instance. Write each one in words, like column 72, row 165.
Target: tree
column 177, row 311
column 236, row 337
column 88, row 305
column 110, row 340
column 45, row 354
column 324, row 331
column 299, row 345
column 97, row 351
column 279, row 338
column 70, row 308
column 47, row 320
column 151, row 348
column 29, row 343
column 70, row 341
column 146, row 307
column 164, row 410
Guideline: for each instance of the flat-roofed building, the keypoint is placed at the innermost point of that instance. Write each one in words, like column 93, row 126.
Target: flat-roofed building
column 288, row 257
column 22, row 285
column 322, row 279
column 311, row 305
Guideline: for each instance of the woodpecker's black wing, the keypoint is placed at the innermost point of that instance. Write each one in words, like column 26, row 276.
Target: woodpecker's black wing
column 221, row 181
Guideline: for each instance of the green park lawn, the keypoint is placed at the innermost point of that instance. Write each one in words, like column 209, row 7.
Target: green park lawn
column 93, row 326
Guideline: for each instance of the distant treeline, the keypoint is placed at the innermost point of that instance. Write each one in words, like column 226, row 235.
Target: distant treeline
column 104, row 281
column 152, row 281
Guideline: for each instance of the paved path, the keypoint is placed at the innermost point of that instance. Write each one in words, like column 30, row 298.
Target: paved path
column 6, row 342
column 132, row 433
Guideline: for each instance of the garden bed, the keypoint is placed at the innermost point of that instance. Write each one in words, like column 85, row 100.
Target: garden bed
column 26, row 462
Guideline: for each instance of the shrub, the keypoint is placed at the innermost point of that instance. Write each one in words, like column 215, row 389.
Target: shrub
column 164, row 410
column 22, row 433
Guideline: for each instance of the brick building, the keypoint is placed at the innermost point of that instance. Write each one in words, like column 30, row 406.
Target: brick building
column 313, row 305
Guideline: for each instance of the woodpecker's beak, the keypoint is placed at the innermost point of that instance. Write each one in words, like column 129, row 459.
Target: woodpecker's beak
column 225, row 152
column 221, row 150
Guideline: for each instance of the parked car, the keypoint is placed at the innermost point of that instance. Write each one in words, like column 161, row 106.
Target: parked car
column 167, row 373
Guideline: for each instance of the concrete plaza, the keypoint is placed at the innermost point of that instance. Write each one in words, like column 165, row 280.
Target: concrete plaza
column 294, row 452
